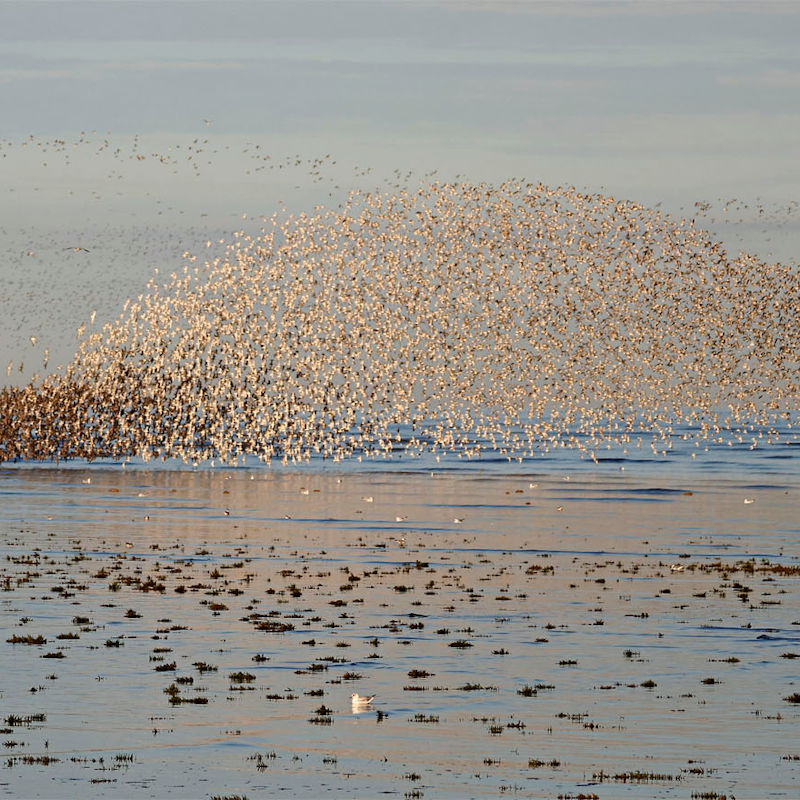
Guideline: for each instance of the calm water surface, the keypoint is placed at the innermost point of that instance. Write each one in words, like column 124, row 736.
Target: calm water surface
column 583, row 629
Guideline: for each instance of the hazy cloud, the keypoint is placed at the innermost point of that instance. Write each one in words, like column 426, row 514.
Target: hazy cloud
column 770, row 79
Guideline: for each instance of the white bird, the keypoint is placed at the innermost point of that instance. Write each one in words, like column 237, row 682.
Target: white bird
column 360, row 701
column 748, row 500
column 676, row 567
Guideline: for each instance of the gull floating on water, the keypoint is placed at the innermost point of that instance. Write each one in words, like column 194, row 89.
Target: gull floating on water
column 359, row 701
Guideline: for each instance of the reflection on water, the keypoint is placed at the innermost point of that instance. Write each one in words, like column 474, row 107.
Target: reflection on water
column 580, row 630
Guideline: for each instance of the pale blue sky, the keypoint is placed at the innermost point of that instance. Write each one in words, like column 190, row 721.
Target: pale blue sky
column 658, row 98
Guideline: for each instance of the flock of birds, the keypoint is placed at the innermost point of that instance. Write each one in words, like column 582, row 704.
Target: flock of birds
column 453, row 317
column 89, row 216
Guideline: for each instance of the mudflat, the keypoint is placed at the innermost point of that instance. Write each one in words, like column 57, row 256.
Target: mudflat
column 546, row 633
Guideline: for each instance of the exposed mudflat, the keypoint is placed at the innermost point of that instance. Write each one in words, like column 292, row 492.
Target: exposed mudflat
column 542, row 634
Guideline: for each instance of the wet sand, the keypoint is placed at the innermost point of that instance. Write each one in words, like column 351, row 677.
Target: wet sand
column 199, row 634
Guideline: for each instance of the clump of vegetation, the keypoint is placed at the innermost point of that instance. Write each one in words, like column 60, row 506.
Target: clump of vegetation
column 271, row 626
column 635, row 776
column 241, row 677
column 43, row 760
column 16, row 639
column 15, row 720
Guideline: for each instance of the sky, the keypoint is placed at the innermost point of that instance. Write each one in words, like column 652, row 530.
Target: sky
column 231, row 103
column 646, row 97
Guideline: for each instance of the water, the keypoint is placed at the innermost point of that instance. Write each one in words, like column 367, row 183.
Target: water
column 563, row 582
